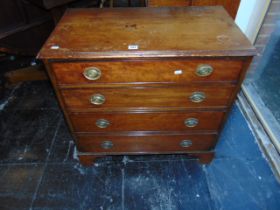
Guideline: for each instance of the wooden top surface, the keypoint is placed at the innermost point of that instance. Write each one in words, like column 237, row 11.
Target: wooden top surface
column 158, row 32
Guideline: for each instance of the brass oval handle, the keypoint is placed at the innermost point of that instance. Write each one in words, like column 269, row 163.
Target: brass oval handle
column 186, row 143
column 204, row 70
column 197, row 97
column 107, row 144
column 97, row 99
column 92, row 73
column 102, row 123
column 191, row 122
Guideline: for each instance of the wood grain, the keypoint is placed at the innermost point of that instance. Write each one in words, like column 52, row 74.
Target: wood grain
column 158, row 32
column 165, row 121
column 142, row 144
column 148, row 97
column 226, row 70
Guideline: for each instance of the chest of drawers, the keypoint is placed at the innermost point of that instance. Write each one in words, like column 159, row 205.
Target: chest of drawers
column 146, row 80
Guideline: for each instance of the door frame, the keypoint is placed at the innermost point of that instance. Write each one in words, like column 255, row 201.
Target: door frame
column 250, row 16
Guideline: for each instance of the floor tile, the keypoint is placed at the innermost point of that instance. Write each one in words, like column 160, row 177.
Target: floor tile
column 165, row 185
column 63, row 147
column 18, row 185
column 240, row 184
column 125, row 185
column 33, row 95
column 22, row 123
column 236, row 139
column 71, row 186
column 32, row 147
column 26, row 135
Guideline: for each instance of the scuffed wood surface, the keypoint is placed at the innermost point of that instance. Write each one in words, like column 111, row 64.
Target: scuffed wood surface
column 158, row 32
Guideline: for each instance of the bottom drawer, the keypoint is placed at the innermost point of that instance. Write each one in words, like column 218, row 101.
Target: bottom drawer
column 146, row 144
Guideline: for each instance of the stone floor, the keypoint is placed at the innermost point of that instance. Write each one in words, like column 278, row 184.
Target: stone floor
column 39, row 170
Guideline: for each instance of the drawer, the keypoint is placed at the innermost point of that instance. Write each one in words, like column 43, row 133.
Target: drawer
column 145, row 97
column 155, row 121
column 147, row 71
column 146, row 144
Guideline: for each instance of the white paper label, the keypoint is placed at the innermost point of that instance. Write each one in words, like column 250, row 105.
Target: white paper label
column 177, row 72
column 133, row 47
column 54, row 47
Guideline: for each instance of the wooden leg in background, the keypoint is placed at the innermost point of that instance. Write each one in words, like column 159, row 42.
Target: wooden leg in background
column 31, row 73
column 87, row 160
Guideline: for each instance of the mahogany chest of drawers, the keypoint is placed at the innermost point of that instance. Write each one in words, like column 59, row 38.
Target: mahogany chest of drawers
column 146, row 80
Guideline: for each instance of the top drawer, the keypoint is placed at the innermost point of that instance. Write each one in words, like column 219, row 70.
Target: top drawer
column 147, row 71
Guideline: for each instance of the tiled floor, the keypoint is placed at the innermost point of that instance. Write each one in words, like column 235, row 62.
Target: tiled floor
column 38, row 168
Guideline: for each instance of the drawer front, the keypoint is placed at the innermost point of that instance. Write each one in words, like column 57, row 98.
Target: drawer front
column 168, row 121
column 145, row 97
column 146, row 71
column 145, row 144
